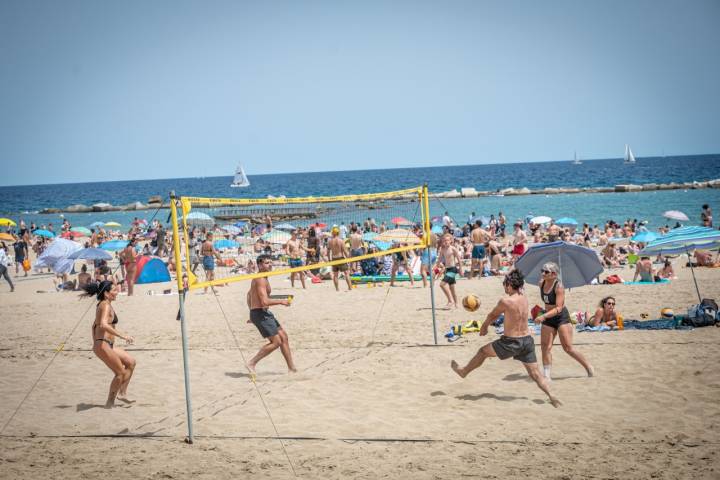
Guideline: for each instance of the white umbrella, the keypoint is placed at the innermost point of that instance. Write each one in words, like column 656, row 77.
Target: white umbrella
column 676, row 215
column 56, row 255
column 541, row 220
column 199, row 218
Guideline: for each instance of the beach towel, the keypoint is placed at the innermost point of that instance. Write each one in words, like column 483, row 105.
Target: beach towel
column 659, row 324
column 662, row 281
column 588, row 328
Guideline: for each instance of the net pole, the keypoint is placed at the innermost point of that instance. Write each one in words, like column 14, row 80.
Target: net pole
column 428, row 248
column 183, row 329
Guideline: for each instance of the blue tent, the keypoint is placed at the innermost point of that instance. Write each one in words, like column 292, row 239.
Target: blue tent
column 152, row 270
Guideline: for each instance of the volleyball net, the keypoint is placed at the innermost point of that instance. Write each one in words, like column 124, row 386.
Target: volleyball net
column 219, row 239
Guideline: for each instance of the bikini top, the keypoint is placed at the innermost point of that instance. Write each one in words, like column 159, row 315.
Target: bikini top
column 115, row 318
column 549, row 298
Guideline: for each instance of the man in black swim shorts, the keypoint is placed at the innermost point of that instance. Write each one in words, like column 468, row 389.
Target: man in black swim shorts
column 258, row 299
column 516, row 341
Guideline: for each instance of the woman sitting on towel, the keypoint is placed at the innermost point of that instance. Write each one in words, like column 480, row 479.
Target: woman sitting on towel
column 665, row 272
column 605, row 314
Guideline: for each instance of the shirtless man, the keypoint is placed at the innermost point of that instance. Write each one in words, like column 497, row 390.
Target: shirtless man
column 451, row 260
column 208, row 255
column 337, row 251
column 519, row 241
column 294, row 250
column 480, row 239
column 356, row 245
column 644, row 269
column 516, row 342
column 258, row 300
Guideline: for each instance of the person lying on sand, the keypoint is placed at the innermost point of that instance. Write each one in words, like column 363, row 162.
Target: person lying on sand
column 605, row 314
column 516, row 342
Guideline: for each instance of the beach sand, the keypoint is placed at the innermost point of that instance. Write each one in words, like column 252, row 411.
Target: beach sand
column 374, row 397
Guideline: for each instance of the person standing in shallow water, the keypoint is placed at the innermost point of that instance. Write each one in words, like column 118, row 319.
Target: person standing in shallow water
column 516, row 341
column 104, row 333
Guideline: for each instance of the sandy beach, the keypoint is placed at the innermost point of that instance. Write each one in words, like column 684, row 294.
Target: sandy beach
column 374, row 397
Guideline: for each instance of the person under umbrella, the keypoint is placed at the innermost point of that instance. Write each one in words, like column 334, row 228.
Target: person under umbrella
column 556, row 320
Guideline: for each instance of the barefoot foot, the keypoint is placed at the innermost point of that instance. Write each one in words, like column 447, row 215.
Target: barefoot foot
column 454, row 365
column 591, row 372
column 555, row 402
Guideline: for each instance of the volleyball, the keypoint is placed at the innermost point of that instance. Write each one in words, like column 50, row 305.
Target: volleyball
column 667, row 313
column 471, row 303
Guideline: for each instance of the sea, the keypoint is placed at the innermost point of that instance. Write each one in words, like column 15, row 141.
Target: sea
column 24, row 202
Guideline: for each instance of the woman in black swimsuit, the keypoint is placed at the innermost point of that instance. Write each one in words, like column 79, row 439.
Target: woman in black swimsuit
column 104, row 332
column 556, row 320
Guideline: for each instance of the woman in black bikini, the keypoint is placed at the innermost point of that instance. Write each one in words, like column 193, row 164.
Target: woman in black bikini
column 104, row 332
column 556, row 320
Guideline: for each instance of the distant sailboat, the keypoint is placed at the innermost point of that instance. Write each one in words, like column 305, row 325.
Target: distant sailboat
column 576, row 161
column 629, row 157
column 240, row 179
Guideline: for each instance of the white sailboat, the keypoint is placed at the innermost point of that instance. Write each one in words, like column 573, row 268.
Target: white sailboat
column 576, row 161
column 240, row 179
column 629, row 157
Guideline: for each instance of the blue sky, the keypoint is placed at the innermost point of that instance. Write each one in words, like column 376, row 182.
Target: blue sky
column 100, row 90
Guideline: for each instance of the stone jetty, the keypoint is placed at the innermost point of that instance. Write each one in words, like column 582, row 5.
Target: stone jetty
column 156, row 201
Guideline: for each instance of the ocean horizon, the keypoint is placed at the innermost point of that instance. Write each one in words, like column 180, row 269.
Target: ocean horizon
column 26, row 200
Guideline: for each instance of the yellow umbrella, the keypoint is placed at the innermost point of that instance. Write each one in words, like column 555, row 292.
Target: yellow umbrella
column 113, row 224
column 7, row 237
column 6, row 222
column 398, row 235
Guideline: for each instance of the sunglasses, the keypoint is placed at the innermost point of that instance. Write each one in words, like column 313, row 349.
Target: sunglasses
column 545, row 271
column 610, row 303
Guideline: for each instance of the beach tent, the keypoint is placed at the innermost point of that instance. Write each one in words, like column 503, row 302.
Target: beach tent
column 151, row 270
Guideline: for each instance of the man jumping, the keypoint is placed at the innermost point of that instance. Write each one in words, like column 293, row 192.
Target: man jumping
column 516, row 341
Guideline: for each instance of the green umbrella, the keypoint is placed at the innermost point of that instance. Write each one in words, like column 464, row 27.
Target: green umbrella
column 82, row 230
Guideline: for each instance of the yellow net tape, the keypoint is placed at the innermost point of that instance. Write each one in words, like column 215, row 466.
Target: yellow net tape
column 400, row 211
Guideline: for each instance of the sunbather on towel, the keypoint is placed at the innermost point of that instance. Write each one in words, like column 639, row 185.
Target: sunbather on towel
column 644, row 269
column 605, row 314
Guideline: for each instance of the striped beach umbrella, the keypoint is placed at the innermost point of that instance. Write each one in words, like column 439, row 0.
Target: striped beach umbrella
column 692, row 238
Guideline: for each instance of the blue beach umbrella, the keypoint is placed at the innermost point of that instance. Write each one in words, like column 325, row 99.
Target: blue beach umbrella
column 91, row 254
column 437, row 229
column 225, row 243
column 240, row 224
column 97, row 224
column 644, row 237
column 382, row 246
column 114, row 245
column 679, row 242
column 285, row 226
column 44, row 233
column 566, row 222
column 369, row 236
column 578, row 265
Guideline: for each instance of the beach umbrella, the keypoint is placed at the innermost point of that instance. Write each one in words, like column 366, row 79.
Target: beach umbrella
column 644, row 237
column 112, row 224
column 693, row 238
column 319, row 225
column 369, row 236
column 566, row 222
column 676, row 215
column 44, row 233
column 114, row 245
column 232, row 229
column 240, row 224
column 578, row 265
column 91, row 254
column 276, row 236
column 541, row 220
column 401, row 221
column 284, row 226
column 56, row 255
column 81, row 230
column 6, row 222
column 437, row 229
column 7, row 237
column 225, row 243
column 199, row 218
column 97, row 224
column 398, row 235
column 382, row 246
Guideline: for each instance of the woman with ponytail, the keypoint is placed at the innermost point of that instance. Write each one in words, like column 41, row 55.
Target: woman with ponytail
column 104, row 332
